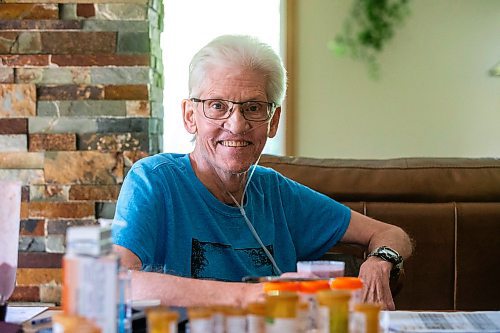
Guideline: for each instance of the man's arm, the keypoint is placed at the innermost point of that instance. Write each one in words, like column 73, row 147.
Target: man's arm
column 180, row 291
column 375, row 272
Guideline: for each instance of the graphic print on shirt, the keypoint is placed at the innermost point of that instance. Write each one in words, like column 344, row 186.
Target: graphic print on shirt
column 209, row 261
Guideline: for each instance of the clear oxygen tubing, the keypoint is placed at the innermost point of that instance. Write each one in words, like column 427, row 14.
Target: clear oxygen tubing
column 240, row 205
column 249, row 224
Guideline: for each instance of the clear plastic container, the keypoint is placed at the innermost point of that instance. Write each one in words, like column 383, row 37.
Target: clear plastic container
column 200, row 320
column 236, row 320
column 281, row 312
column 307, row 294
column 161, row 320
column 255, row 317
column 365, row 318
column 352, row 284
column 333, row 311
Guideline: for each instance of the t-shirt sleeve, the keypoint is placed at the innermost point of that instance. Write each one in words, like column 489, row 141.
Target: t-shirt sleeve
column 138, row 212
column 316, row 221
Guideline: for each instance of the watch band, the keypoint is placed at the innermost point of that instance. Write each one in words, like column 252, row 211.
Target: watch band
column 388, row 254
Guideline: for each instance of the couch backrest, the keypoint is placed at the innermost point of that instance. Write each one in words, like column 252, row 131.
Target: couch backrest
column 450, row 207
column 401, row 180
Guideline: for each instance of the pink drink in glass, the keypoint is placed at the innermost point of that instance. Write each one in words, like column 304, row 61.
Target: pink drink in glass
column 322, row 268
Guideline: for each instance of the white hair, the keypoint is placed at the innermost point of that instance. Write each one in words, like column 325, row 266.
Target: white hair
column 242, row 51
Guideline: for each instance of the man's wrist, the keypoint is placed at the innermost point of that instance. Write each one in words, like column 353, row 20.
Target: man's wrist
column 389, row 255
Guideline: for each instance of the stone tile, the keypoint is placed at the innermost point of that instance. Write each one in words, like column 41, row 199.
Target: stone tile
column 24, row 60
column 96, row 193
column 86, row 108
column 24, row 209
column 105, row 210
column 21, row 160
column 7, row 41
column 13, row 126
column 113, row 125
column 31, row 244
column 120, row 75
column 32, row 227
column 130, row 157
column 88, row 167
column 28, row 42
column 26, row 176
column 126, row 92
column 85, row 10
column 46, row 76
column 138, row 109
column 157, row 110
column 155, row 126
column 17, row 100
column 121, row 12
column 68, row 210
column 39, row 260
column 100, row 60
column 70, row 92
column 29, row 11
column 133, row 42
column 62, row 125
column 25, row 294
column 6, row 74
column 155, row 143
column 68, row 11
column 49, row 192
column 120, row 26
column 13, row 142
column 78, row 42
column 51, row 293
column 55, row 244
column 37, row 276
column 25, row 193
column 23, row 24
column 52, row 142
column 156, row 94
column 59, row 227
column 113, row 142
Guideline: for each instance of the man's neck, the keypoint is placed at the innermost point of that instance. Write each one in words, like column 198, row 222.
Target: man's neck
column 219, row 182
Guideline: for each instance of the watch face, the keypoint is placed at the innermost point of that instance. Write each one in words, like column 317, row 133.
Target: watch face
column 388, row 254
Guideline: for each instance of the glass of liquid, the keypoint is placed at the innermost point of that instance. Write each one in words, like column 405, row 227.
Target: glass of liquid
column 10, row 214
column 325, row 269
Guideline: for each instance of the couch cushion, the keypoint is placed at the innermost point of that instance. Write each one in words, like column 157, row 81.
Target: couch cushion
column 403, row 180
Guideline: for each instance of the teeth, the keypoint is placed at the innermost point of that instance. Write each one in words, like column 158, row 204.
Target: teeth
column 234, row 143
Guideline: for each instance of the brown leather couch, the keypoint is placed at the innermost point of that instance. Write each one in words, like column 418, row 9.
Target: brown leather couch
column 450, row 208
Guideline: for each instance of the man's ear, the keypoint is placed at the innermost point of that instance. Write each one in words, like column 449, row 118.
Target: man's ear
column 188, row 116
column 273, row 125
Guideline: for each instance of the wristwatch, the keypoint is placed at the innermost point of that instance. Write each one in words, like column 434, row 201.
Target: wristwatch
column 390, row 255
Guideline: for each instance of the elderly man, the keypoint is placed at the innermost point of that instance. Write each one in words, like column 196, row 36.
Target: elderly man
column 193, row 225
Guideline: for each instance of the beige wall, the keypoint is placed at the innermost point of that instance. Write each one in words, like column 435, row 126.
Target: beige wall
column 435, row 97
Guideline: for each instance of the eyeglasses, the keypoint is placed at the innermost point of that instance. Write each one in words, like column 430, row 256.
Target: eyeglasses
column 219, row 109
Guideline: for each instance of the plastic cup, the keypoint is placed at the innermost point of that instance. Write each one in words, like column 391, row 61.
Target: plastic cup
column 322, row 268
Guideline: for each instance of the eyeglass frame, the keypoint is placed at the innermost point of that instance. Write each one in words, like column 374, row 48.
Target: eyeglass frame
column 270, row 105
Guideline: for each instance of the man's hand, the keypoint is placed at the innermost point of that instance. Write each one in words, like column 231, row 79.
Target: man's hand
column 375, row 274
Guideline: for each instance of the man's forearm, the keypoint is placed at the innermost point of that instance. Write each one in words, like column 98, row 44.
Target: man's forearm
column 179, row 291
column 393, row 237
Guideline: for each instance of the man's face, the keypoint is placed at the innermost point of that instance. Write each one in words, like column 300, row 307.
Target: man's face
column 234, row 144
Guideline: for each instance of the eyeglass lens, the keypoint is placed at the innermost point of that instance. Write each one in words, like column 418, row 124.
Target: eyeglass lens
column 221, row 109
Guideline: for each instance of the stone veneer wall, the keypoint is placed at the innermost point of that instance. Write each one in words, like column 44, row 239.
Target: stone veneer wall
column 80, row 101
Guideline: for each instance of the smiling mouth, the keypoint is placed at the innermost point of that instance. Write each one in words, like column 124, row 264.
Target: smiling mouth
column 236, row 144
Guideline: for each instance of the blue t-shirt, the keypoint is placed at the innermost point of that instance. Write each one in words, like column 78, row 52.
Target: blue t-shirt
column 172, row 222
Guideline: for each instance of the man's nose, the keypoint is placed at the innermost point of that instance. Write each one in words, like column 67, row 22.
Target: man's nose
column 236, row 123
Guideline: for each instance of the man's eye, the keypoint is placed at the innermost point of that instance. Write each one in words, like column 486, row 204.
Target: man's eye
column 253, row 107
column 216, row 105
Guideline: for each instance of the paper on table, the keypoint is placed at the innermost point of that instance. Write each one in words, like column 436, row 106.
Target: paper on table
column 441, row 322
column 19, row 314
